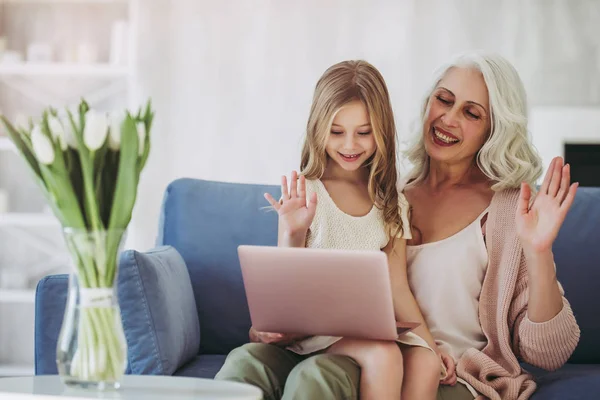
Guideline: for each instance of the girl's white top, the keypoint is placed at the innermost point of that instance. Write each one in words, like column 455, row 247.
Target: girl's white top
column 334, row 229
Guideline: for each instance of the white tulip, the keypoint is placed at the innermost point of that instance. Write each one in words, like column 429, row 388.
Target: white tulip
column 57, row 131
column 22, row 123
column 95, row 131
column 42, row 146
column 114, row 136
column 69, row 133
column 141, row 130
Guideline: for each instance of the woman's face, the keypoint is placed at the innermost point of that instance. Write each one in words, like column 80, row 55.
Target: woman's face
column 459, row 116
column 351, row 142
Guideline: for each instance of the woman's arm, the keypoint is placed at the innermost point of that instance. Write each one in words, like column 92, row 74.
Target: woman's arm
column 545, row 344
column 405, row 305
column 547, row 331
column 545, row 299
column 537, row 227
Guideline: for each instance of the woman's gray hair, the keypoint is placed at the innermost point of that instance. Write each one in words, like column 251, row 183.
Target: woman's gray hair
column 508, row 156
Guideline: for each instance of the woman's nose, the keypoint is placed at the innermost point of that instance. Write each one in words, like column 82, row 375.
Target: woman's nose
column 450, row 118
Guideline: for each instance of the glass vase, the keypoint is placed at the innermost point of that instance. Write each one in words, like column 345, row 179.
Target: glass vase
column 91, row 350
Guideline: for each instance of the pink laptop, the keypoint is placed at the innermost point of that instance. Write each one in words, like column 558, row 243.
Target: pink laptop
column 320, row 292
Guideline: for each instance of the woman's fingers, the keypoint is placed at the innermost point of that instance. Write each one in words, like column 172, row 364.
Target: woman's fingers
column 449, row 363
column 524, row 198
column 546, row 183
column 556, row 177
column 450, row 369
column 564, row 183
column 566, row 204
column 452, row 380
column 272, row 201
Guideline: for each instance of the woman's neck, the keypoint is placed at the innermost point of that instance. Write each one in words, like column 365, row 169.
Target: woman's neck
column 447, row 175
column 334, row 171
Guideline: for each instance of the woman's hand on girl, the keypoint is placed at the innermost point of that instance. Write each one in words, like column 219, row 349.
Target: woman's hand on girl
column 538, row 225
column 296, row 213
column 450, row 365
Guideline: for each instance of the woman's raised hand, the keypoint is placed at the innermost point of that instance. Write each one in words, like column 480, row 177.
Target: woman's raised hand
column 538, row 224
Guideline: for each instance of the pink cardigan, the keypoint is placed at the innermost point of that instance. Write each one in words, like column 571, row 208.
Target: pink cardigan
column 495, row 371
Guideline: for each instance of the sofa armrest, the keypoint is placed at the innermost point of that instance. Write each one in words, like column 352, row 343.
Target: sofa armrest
column 158, row 310
column 50, row 302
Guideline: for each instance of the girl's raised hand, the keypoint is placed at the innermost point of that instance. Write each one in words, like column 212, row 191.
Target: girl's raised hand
column 296, row 212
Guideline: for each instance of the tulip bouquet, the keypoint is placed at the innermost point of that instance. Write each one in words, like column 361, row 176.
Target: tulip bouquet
column 88, row 166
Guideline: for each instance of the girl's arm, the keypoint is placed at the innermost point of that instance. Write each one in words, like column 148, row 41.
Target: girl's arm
column 289, row 239
column 405, row 305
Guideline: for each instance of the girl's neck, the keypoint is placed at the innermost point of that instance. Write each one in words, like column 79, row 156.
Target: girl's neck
column 335, row 172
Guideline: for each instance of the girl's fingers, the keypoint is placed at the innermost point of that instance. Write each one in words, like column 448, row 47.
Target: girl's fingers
column 285, row 194
column 294, row 185
column 312, row 206
column 556, row 177
column 272, row 201
column 302, row 187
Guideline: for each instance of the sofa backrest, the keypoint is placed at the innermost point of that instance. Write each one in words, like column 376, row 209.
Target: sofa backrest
column 206, row 221
column 577, row 258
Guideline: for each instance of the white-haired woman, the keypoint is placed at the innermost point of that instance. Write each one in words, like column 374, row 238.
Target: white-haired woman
column 480, row 259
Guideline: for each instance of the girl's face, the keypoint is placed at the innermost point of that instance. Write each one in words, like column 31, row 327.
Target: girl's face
column 351, row 141
column 459, row 116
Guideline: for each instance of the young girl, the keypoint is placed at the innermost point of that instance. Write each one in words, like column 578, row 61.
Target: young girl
column 348, row 174
column 346, row 198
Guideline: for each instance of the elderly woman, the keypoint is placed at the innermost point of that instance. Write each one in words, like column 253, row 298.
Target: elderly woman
column 480, row 262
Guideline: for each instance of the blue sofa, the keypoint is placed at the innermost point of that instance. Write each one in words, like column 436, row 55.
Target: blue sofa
column 183, row 303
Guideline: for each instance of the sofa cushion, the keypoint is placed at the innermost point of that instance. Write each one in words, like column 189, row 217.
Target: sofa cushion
column 206, row 221
column 203, row 366
column 571, row 382
column 577, row 257
column 157, row 308
column 158, row 311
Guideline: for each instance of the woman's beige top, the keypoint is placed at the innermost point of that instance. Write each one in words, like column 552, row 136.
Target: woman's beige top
column 445, row 278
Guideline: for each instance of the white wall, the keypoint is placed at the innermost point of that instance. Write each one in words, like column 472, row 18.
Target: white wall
column 232, row 80
column 552, row 127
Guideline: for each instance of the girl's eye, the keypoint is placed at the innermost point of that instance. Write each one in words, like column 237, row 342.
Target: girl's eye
column 336, row 132
column 364, row 133
column 444, row 101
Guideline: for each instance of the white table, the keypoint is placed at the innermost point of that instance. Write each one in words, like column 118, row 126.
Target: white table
column 133, row 387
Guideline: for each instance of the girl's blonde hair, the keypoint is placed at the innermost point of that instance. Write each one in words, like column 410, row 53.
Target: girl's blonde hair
column 341, row 84
column 508, row 156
